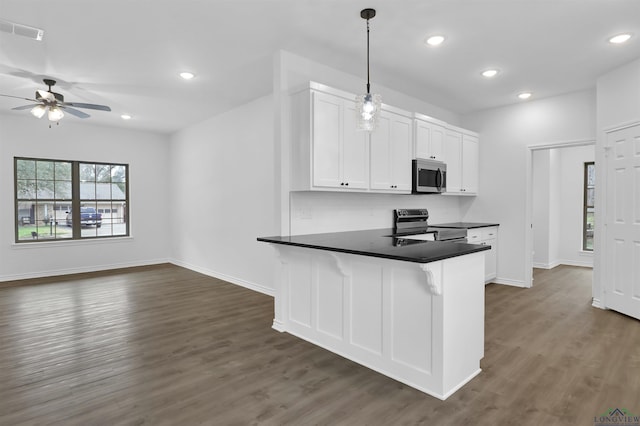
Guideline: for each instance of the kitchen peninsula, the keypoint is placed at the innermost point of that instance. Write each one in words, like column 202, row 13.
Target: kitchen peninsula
column 412, row 310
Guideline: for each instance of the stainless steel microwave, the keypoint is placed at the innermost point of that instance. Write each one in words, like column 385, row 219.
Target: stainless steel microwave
column 428, row 176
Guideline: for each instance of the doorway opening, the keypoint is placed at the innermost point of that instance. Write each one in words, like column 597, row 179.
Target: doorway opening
column 555, row 206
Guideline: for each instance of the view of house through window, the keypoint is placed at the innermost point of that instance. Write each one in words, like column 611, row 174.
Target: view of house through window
column 58, row 200
column 589, row 206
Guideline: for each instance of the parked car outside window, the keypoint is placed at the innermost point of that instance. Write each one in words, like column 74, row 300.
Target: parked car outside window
column 88, row 217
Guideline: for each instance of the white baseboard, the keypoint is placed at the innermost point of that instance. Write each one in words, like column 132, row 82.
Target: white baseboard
column 507, row 281
column 224, row 277
column 582, row 263
column 541, row 265
column 82, row 270
column 278, row 325
column 597, row 303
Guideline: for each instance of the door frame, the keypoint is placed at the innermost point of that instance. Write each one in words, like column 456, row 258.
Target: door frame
column 528, row 223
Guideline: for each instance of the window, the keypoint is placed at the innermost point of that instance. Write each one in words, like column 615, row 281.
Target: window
column 589, row 206
column 65, row 200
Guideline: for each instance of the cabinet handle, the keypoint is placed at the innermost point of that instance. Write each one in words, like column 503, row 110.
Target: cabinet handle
column 341, row 183
column 346, row 184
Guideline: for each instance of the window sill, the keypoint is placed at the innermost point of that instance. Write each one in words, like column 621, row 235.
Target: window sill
column 585, row 253
column 67, row 243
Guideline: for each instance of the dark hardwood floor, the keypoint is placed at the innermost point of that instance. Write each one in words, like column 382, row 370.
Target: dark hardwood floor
column 164, row 345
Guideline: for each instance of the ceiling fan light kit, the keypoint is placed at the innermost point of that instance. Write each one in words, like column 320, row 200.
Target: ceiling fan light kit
column 38, row 111
column 53, row 104
column 368, row 105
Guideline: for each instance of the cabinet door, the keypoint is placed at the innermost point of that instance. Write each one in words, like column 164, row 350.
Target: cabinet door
column 401, row 137
column 391, row 151
column 327, row 125
column 423, row 139
column 490, row 259
column 453, row 155
column 438, row 138
column 470, row 164
column 429, row 140
column 381, row 176
column 355, row 150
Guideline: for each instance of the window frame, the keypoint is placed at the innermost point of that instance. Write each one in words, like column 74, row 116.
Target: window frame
column 586, row 207
column 75, row 203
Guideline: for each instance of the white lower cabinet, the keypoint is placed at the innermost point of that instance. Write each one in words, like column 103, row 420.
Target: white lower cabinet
column 486, row 236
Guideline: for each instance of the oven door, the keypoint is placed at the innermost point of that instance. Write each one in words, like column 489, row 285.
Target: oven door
column 429, row 176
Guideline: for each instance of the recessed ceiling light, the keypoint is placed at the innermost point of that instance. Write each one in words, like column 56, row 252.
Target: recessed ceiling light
column 620, row 38
column 524, row 95
column 187, row 75
column 490, row 73
column 435, row 40
column 125, row 117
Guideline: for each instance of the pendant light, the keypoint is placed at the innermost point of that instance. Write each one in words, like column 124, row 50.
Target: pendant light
column 367, row 105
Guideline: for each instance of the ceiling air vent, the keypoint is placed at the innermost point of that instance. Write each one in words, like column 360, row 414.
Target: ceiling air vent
column 21, row 30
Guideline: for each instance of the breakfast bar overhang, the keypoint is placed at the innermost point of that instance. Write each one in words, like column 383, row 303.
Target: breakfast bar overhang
column 414, row 313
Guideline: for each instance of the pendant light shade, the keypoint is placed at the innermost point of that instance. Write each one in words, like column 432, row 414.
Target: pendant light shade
column 368, row 105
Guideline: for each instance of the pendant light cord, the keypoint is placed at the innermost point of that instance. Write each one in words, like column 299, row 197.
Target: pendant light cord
column 368, row 85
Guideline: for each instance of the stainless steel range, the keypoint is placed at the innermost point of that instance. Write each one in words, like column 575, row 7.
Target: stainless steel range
column 412, row 224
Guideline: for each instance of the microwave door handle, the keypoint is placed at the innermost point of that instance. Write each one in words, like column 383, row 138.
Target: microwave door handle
column 439, row 185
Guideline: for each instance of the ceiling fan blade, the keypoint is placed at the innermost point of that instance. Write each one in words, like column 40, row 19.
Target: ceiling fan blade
column 47, row 96
column 25, row 107
column 19, row 97
column 74, row 111
column 88, row 106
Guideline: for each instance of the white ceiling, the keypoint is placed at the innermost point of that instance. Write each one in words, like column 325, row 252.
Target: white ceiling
column 127, row 53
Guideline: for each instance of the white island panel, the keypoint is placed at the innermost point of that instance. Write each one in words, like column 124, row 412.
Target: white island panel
column 421, row 324
column 366, row 307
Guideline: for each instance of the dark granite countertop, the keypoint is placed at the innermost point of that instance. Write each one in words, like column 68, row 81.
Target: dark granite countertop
column 379, row 243
column 463, row 225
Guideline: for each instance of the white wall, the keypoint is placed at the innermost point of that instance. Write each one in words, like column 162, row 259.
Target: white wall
column 312, row 212
column 558, row 192
column 505, row 134
column 147, row 155
column 541, row 185
column 555, row 199
column 223, row 196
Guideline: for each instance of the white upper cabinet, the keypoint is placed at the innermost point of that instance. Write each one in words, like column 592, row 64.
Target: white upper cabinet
column 391, row 148
column 328, row 152
column 430, row 138
column 461, row 156
column 470, row 157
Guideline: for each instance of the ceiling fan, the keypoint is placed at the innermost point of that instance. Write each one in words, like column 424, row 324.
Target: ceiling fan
column 53, row 103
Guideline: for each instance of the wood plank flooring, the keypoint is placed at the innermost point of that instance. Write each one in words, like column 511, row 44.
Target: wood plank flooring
column 163, row 345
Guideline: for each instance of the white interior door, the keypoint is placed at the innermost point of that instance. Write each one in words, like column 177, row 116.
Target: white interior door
column 622, row 236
